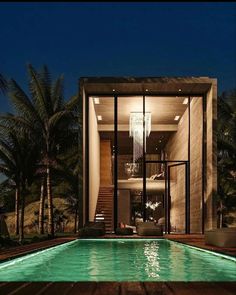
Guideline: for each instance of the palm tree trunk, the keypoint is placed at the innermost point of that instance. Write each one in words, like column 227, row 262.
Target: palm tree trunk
column 75, row 225
column 221, row 215
column 17, row 194
column 41, row 207
column 50, row 204
column 21, row 232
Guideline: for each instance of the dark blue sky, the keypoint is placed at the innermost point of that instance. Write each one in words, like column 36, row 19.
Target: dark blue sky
column 119, row 39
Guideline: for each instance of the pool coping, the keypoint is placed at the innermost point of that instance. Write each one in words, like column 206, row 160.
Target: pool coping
column 205, row 247
column 37, row 247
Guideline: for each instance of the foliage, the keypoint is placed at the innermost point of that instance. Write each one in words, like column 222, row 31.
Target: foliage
column 44, row 124
column 226, row 142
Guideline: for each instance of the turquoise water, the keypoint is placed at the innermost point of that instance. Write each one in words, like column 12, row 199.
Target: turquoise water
column 119, row 260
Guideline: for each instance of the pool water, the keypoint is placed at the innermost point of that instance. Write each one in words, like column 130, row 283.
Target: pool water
column 120, row 260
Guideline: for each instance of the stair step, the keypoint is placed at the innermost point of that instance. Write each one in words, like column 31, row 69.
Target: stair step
column 104, row 208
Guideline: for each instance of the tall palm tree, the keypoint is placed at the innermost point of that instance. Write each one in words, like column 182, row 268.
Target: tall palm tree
column 46, row 118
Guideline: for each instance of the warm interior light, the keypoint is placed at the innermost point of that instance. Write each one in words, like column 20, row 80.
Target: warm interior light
column 99, row 118
column 96, row 100
column 176, row 118
column 185, row 101
column 136, row 121
column 180, row 89
column 113, row 90
column 146, row 90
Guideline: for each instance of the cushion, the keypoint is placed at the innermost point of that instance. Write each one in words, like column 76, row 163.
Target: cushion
column 124, row 231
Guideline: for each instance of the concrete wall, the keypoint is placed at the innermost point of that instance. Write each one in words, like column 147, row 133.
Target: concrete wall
column 211, row 158
column 196, row 129
column 177, row 149
column 94, row 161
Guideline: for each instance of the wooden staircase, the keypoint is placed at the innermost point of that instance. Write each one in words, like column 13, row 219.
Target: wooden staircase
column 104, row 209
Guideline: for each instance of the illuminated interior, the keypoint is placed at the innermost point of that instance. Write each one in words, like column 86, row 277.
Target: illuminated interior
column 146, row 155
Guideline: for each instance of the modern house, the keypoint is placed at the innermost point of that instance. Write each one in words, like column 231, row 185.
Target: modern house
column 149, row 151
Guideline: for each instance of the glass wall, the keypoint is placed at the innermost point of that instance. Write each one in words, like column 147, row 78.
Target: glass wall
column 167, row 143
column 130, row 159
column 168, row 139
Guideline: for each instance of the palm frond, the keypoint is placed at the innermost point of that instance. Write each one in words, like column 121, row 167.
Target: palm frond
column 16, row 123
column 37, row 90
column 3, row 84
column 22, row 103
column 57, row 94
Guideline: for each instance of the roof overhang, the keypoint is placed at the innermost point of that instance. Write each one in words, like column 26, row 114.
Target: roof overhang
column 148, row 85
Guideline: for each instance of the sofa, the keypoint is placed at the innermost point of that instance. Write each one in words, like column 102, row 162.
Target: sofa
column 149, row 229
column 221, row 237
column 92, row 229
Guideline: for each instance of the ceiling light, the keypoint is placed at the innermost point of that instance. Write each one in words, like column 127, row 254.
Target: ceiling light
column 185, row 101
column 113, row 90
column 99, row 118
column 176, row 118
column 180, row 89
column 146, row 90
column 136, row 121
column 96, row 100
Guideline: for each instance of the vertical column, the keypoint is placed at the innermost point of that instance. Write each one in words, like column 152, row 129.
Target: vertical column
column 187, row 203
column 87, row 158
column 144, row 163
column 204, row 159
column 115, row 163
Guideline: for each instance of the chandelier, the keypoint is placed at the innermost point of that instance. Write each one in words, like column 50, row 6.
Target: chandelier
column 136, row 121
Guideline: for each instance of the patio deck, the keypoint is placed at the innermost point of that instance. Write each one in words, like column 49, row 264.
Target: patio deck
column 116, row 288
column 26, row 249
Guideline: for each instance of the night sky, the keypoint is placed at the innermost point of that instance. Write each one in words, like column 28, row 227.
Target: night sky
column 118, row 39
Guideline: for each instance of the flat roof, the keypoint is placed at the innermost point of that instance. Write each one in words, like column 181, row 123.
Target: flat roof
column 138, row 85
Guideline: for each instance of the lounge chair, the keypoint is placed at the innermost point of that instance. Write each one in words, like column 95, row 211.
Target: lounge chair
column 221, row 237
column 92, row 229
column 149, row 229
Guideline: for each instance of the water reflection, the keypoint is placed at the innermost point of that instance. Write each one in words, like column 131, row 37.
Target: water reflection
column 152, row 265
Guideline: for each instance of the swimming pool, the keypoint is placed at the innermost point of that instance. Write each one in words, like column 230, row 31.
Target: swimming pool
column 120, row 260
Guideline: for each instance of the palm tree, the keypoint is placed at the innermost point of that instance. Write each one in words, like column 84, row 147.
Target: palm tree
column 46, row 118
column 226, row 142
column 18, row 162
column 70, row 175
column 10, row 167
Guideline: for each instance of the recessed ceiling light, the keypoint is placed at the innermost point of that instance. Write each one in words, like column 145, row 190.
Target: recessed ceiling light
column 180, row 89
column 185, row 101
column 96, row 100
column 146, row 90
column 113, row 90
column 99, row 118
column 176, row 118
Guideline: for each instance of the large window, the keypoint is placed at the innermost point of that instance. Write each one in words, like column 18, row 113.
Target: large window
column 148, row 150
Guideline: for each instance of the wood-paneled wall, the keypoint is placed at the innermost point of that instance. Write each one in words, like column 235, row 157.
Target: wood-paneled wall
column 105, row 163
